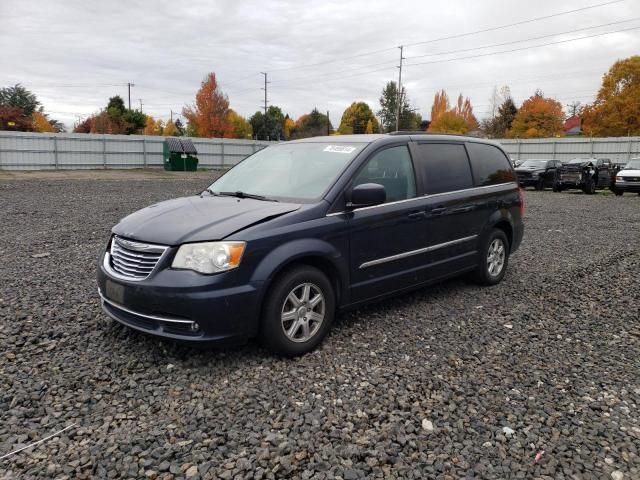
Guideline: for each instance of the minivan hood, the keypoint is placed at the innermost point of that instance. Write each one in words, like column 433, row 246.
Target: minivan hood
column 198, row 218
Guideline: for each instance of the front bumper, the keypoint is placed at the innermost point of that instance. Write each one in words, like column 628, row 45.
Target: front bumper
column 183, row 305
column 627, row 186
column 570, row 183
column 528, row 182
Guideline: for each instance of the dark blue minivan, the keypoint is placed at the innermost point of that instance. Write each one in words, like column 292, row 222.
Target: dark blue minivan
column 300, row 230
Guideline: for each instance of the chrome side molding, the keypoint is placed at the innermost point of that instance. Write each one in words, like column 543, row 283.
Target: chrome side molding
column 411, row 253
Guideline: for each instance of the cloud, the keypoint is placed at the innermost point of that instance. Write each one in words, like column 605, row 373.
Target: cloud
column 74, row 55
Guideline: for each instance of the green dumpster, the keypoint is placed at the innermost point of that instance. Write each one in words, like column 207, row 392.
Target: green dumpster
column 179, row 155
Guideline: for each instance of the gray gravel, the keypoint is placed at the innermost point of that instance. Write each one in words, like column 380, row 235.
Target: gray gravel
column 454, row 381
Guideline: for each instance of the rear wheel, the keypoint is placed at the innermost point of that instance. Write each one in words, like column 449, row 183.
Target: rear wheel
column 298, row 313
column 493, row 258
column 619, row 193
column 556, row 186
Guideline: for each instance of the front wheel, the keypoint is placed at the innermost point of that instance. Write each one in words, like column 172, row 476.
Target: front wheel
column 590, row 187
column 298, row 313
column 619, row 193
column 540, row 184
column 493, row 258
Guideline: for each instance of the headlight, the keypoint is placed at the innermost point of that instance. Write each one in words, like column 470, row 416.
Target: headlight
column 535, row 174
column 209, row 257
column 619, row 179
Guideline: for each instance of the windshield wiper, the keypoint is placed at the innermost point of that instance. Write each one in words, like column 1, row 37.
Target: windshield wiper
column 241, row 194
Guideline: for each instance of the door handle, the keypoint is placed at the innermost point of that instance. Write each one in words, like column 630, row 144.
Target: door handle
column 464, row 209
column 437, row 210
column 419, row 214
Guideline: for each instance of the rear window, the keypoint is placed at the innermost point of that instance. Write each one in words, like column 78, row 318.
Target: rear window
column 444, row 167
column 490, row 166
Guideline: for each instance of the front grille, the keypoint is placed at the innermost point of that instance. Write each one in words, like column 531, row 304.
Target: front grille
column 575, row 176
column 134, row 260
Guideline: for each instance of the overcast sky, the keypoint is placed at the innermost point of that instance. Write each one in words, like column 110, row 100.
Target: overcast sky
column 75, row 54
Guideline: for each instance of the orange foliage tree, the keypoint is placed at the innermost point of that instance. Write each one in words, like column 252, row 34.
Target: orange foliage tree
column 440, row 105
column 616, row 110
column 538, row 117
column 459, row 119
column 208, row 117
column 41, row 123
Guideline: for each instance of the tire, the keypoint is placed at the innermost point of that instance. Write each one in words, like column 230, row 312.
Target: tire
column 556, row 187
column 305, row 331
column 540, row 184
column 619, row 193
column 589, row 187
column 483, row 274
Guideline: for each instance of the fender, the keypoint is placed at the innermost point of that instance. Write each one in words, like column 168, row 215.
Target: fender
column 502, row 215
column 286, row 254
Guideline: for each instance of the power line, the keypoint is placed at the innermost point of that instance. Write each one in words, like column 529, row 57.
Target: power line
column 523, row 40
column 522, row 22
column 522, row 48
column 491, row 29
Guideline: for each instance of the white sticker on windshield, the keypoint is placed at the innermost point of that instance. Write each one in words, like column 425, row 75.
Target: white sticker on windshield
column 339, row 149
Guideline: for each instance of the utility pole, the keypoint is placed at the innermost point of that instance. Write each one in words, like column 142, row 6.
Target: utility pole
column 328, row 124
column 140, row 104
column 399, row 89
column 129, row 85
column 171, row 115
column 265, row 103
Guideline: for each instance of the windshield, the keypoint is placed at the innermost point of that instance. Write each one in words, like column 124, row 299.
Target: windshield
column 633, row 164
column 535, row 163
column 301, row 171
column 581, row 160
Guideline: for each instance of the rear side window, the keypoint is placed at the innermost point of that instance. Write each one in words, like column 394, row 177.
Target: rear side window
column 490, row 166
column 444, row 167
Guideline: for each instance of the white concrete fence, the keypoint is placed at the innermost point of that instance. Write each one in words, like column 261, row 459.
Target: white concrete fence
column 40, row 151
column 617, row 149
column 48, row 151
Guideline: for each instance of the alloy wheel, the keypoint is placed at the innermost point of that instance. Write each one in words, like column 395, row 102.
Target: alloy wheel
column 496, row 257
column 303, row 312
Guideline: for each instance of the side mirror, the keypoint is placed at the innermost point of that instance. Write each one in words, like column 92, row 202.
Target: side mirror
column 367, row 195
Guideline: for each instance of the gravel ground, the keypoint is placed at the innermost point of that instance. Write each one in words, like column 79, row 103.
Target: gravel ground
column 454, row 381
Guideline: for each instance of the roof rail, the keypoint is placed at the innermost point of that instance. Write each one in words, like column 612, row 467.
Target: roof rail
column 410, row 132
column 422, row 132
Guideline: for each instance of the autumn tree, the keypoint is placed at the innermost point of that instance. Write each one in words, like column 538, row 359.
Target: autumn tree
column 312, row 124
column 41, row 123
column 208, row 115
column 538, row 117
column 464, row 110
column 241, row 126
column 440, row 105
column 289, row 127
column 355, row 119
column 170, row 129
column 457, row 120
column 616, row 109
column 449, row 122
column 14, row 118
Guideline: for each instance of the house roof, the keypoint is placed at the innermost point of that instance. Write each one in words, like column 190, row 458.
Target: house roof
column 572, row 124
